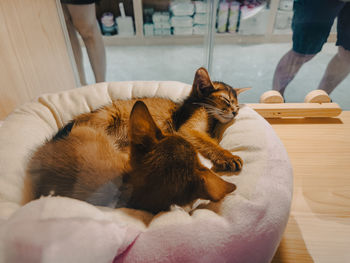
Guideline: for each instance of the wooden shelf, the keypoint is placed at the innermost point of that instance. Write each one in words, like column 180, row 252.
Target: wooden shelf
column 220, row 38
column 226, row 38
column 297, row 110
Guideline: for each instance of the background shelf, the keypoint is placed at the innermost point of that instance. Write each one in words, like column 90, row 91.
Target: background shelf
column 134, row 8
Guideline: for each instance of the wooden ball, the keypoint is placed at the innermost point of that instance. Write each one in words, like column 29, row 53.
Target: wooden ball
column 317, row 96
column 271, row 96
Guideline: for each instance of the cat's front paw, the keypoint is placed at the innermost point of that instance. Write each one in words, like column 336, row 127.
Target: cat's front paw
column 228, row 162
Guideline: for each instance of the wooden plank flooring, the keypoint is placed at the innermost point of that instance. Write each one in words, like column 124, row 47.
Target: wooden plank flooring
column 319, row 225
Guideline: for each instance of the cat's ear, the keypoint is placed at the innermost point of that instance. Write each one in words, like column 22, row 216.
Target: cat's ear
column 240, row 90
column 202, row 85
column 213, row 187
column 143, row 131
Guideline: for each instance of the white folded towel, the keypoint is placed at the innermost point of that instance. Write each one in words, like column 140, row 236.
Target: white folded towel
column 200, row 7
column 182, row 8
column 181, row 21
column 183, row 30
column 200, row 18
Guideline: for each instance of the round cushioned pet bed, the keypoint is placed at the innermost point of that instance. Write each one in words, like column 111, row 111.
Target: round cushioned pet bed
column 246, row 226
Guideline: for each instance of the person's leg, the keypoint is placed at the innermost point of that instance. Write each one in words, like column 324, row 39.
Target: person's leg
column 287, row 68
column 312, row 21
column 339, row 67
column 84, row 20
column 78, row 55
column 337, row 70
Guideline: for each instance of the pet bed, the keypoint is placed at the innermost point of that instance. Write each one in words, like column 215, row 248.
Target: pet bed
column 246, row 226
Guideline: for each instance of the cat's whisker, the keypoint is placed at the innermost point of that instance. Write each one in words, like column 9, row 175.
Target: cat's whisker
column 214, row 111
column 211, row 100
column 207, row 104
column 209, row 107
column 212, row 114
column 203, row 104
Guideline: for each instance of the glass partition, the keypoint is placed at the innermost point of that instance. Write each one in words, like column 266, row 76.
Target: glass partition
column 156, row 40
column 247, row 54
column 241, row 42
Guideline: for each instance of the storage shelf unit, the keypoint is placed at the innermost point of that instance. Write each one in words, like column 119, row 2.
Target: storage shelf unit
column 270, row 35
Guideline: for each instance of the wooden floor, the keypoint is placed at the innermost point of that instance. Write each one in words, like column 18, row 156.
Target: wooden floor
column 319, row 225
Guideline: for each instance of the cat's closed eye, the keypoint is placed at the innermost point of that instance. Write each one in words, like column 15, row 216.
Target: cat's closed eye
column 225, row 100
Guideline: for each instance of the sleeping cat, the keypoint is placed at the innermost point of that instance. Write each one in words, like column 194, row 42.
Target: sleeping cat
column 143, row 157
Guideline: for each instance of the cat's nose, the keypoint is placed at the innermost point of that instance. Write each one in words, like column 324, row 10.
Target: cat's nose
column 234, row 113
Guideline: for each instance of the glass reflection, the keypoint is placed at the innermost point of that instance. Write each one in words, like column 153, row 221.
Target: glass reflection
column 169, row 40
column 80, row 18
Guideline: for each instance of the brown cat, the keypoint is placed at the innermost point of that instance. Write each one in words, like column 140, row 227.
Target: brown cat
column 146, row 159
column 204, row 116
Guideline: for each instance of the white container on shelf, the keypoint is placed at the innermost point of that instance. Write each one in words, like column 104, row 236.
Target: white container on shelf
column 148, row 29
column 200, row 18
column 222, row 17
column 181, row 21
column 108, row 25
column 200, row 7
column 165, row 25
column 162, row 32
column 165, row 17
column 159, row 17
column 199, row 29
column 124, row 23
column 286, row 5
column 283, row 19
column 166, row 31
column 158, row 32
column 182, row 7
column 183, row 31
column 233, row 17
column 255, row 25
